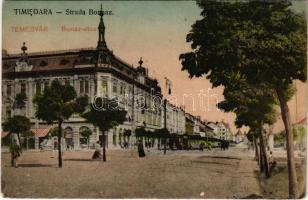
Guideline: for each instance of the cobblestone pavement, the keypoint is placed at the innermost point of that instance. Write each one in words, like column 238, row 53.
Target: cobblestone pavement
column 193, row 174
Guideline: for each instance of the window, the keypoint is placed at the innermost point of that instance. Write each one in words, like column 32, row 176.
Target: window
column 43, row 63
column 104, row 86
column 130, row 90
column 86, row 86
column 81, row 86
column 38, row 88
column 46, row 84
column 122, row 89
column 114, row 139
column 67, row 82
column 115, row 86
column 23, row 88
column 8, row 112
column 9, row 90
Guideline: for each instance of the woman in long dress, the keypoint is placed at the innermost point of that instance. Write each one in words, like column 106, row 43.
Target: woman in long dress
column 97, row 153
column 140, row 149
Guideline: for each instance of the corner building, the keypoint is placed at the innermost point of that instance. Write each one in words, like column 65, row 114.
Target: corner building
column 92, row 72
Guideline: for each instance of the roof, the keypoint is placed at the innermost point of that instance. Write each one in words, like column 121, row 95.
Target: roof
column 40, row 132
column 4, row 134
column 70, row 61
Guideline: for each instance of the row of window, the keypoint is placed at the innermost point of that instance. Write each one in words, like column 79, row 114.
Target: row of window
column 9, row 88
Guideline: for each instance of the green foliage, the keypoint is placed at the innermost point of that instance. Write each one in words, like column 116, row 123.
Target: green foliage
column 54, row 132
column 250, row 103
column 279, row 138
column 20, row 100
column 299, row 132
column 208, row 145
column 250, row 136
column 107, row 118
column 58, row 102
column 17, row 124
column 86, row 133
column 264, row 41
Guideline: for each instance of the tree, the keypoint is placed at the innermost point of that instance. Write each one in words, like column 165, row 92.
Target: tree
column 57, row 103
column 20, row 100
column 253, row 106
column 264, row 41
column 252, row 137
column 105, row 114
column 86, row 133
column 54, row 132
column 17, row 124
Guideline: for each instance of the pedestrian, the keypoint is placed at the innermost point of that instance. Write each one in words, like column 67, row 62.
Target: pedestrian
column 140, row 149
column 55, row 144
column 272, row 162
column 15, row 153
column 201, row 147
column 97, row 155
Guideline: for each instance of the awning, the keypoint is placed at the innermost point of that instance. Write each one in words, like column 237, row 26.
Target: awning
column 4, row 134
column 40, row 132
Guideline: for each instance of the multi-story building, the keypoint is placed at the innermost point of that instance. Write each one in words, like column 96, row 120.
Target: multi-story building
column 175, row 119
column 92, row 72
column 189, row 124
column 221, row 130
column 225, row 131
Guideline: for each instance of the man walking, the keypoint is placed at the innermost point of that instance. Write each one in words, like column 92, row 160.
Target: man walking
column 15, row 153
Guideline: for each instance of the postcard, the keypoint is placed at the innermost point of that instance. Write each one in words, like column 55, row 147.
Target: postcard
column 154, row 99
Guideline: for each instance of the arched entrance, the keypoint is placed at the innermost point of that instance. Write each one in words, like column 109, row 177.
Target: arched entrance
column 68, row 135
column 84, row 136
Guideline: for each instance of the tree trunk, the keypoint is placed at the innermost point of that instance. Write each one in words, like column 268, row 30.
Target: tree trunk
column 265, row 160
column 264, row 154
column 256, row 149
column 59, row 143
column 19, row 141
column 261, row 159
column 165, row 145
column 104, row 147
column 285, row 114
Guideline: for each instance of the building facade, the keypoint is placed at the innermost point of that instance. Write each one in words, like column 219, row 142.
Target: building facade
column 94, row 72
column 175, row 119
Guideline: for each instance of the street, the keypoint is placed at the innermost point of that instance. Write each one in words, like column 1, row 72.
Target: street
column 193, row 174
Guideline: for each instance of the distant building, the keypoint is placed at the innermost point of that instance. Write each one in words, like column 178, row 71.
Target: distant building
column 175, row 119
column 221, row 130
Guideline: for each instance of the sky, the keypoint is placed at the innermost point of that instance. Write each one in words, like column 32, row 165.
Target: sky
column 153, row 30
